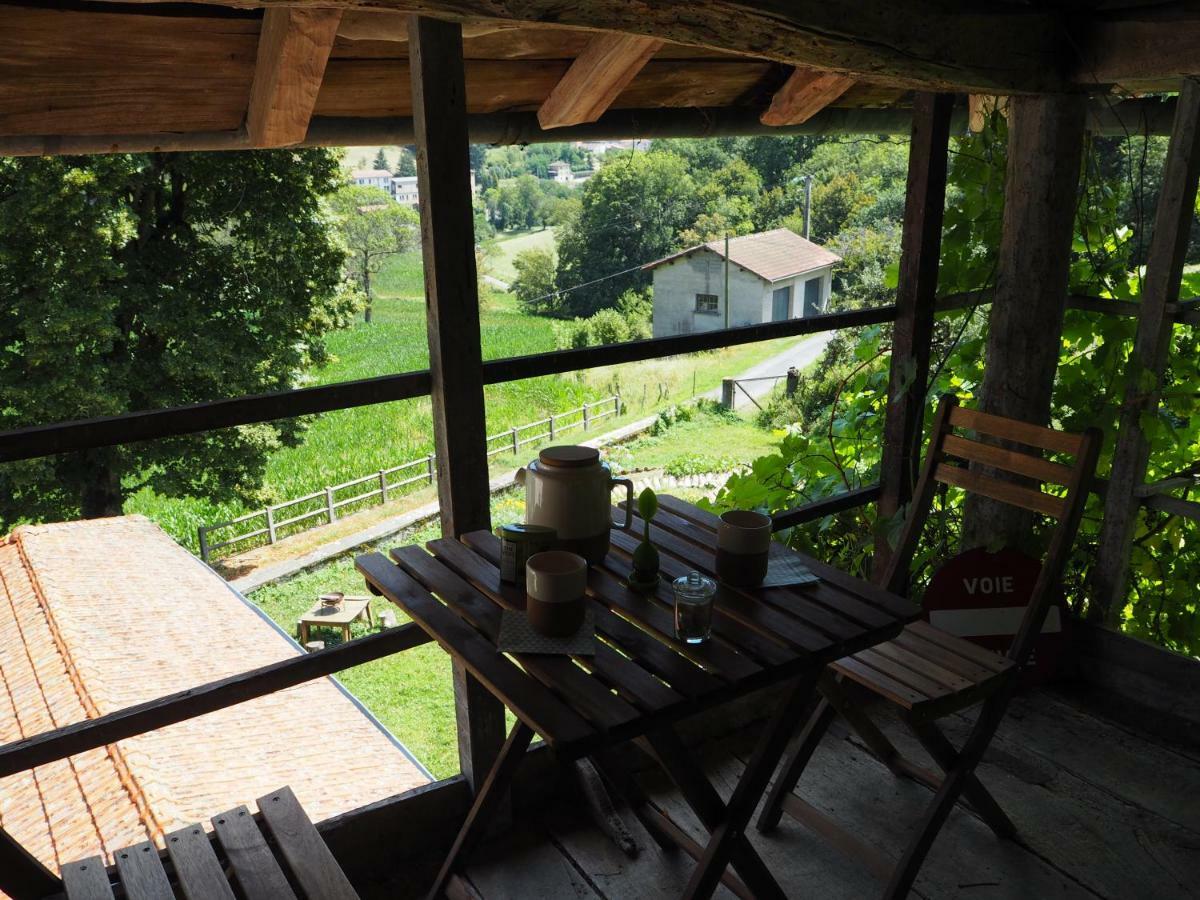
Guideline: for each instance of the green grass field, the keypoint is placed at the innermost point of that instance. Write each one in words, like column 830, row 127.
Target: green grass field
column 509, row 243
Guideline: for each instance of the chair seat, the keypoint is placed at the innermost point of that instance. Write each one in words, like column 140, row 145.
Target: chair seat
column 256, row 865
column 927, row 671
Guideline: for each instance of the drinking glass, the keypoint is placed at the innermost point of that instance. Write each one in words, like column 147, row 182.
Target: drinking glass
column 693, row 607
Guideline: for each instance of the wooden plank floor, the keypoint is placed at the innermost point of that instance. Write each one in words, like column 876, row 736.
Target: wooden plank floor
column 1102, row 811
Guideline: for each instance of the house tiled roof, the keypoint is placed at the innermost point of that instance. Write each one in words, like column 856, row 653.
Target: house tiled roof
column 772, row 255
column 99, row 615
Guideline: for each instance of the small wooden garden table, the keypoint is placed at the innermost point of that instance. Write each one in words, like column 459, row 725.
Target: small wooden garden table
column 340, row 616
column 586, row 705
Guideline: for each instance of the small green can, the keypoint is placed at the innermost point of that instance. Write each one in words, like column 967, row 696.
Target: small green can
column 518, row 542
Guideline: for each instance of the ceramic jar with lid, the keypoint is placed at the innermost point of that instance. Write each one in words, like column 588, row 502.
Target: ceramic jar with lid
column 569, row 489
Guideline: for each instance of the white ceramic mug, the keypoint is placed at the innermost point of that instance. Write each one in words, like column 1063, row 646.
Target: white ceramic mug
column 743, row 547
column 555, row 583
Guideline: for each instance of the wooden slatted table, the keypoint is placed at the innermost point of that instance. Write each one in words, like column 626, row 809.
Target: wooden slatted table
column 641, row 679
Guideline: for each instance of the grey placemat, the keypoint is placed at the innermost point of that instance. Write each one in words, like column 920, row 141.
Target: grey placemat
column 518, row 636
column 787, row 571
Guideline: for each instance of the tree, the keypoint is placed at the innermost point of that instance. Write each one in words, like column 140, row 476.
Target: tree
column 534, row 284
column 146, row 281
column 406, row 163
column 373, row 227
column 381, row 162
column 631, row 213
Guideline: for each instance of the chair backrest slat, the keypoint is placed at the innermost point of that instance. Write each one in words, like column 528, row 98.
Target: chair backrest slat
column 1005, row 491
column 1009, row 460
column 1016, row 430
column 1022, row 493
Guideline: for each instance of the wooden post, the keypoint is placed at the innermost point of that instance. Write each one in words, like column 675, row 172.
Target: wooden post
column 585, row 417
column 1045, row 146
column 728, row 393
column 916, row 293
column 382, row 486
column 1164, row 270
column 551, row 426
column 451, row 289
column 452, row 324
column 516, row 441
column 202, row 537
column 270, row 525
column 429, row 467
column 330, row 510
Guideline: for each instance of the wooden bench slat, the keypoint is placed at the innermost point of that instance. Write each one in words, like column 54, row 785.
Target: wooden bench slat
column 945, row 658
column 1009, row 460
column 142, row 874
column 949, row 679
column 900, row 694
column 258, row 874
column 199, row 873
column 902, row 673
column 481, row 609
column 1004, row 491
column 86, row 879
column 964, row 648
column 540, row 710
column 306, row 853
column 1015, row 430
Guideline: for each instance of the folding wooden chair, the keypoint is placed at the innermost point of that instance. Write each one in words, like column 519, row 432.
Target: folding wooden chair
column 929, row 673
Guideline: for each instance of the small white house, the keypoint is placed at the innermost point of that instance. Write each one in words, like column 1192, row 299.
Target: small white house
column 376, row 178
column 404, row 189
column 561, row 172
column 773, row 276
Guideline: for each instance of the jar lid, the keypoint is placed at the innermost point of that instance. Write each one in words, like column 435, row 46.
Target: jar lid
column 693, row 584
column 569, row 456
column 519, row 531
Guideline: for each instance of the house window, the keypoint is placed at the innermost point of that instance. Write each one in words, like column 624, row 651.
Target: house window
column 706, row 303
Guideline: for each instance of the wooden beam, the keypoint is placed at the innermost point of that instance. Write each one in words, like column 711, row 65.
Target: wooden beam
column 293, row 48
column 803, row 95
column 595, row 78
column 22, row 874
column 62, row 437
column 826, row 506
column 1045, row 147
column 452, row 329
column 982, row 48
column 916, row 295
column 1164, row 271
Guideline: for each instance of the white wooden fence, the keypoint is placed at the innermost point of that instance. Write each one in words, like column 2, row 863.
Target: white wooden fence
column 321, row 507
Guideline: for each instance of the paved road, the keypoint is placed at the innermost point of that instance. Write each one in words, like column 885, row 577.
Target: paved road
column 800, row 355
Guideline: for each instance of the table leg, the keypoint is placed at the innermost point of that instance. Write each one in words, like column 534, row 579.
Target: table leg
column 345, row 634
column 487, row 799
column 304, row 634
column 727, row 822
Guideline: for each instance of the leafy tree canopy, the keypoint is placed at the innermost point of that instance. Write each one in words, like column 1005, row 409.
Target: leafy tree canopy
column 143, row 281
column 372, row 227
column 534, row 284
column 632, row 211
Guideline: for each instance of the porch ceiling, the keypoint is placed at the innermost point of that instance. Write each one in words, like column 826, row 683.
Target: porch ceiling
column 197, row 71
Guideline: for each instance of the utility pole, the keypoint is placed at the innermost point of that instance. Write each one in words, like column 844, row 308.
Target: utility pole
column 807, row 204
column 727, row 276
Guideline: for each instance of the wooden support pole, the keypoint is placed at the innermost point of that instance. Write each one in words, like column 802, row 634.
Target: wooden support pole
column 21, row 875
column 1045, row 146
column 452, row 323
column 597, row 76
column 916, row 295
column 1164, row 270
column 803, row 95
column 451, row 288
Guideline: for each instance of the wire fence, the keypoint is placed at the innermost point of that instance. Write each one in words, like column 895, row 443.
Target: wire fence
column 324, row 507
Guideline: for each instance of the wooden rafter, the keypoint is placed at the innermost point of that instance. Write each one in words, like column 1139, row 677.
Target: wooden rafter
column 293, row 49
column 598, row 75
column 803, row 95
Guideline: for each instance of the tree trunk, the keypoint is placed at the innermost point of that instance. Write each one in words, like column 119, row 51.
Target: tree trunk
column 367, row 289
column 1045, row 145
column 101, row 494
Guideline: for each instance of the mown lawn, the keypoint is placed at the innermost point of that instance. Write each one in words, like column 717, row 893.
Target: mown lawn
column 509, row 243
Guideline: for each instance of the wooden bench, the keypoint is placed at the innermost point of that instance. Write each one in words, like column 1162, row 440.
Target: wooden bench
column 283, row 859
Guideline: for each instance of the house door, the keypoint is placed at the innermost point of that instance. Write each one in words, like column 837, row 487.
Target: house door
column 812, row 297
column 781, row 304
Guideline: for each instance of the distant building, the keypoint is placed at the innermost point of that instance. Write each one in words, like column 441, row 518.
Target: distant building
column 404, row 189
column 773, row 276
column 561, row 172
column 376, row 178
